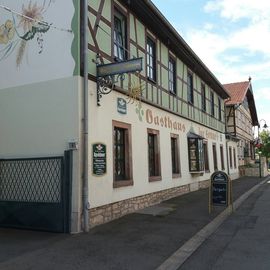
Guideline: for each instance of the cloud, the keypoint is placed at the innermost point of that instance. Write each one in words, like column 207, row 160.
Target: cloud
column 216, row 45
column 262, row 93
column 236, row 10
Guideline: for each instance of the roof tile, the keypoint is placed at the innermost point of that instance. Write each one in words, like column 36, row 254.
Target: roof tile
column 237, row 92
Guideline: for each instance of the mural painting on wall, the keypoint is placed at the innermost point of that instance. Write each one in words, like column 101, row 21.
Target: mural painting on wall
column 22, row 28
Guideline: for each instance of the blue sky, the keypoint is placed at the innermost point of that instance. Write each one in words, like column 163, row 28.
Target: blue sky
column 232, row 37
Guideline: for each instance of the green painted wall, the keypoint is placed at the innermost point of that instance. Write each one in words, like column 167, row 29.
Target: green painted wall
column 75, row 47
column 152, row 92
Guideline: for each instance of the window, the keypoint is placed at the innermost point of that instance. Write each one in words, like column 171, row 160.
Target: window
column 120, row 40
column 212, row 104
column 234, row 158
column 203, row 97
column 219, row 109
column 190, row 95
column 175, row 155
column 215, row 157
column 122, row 154
column 151, row 59
column 222, row 158
column 172, row 76
column 195, row 153
column 230, row 156
column 153, row 155
column 206, row 160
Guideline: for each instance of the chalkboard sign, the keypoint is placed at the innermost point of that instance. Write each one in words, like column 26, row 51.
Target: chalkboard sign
column 219, row 188
column 99, row 159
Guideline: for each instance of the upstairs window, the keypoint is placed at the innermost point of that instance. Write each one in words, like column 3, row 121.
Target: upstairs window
column 219, row 109
column 120, row 39
column 212, row 102
column 190, row 94
column 151, row 60
column 172, row 76
column 203, row 97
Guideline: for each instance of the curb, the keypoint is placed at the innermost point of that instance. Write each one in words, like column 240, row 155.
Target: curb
column 185, row 251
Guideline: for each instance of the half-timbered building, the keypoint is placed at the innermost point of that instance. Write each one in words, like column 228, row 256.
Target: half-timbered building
column 242, row 118
column 163, row 127
column 105, row 110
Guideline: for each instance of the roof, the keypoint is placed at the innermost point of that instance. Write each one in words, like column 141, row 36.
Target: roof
column 237, row 92
column 149, row 14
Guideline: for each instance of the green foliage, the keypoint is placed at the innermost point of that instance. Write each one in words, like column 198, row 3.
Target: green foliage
column 265, row 140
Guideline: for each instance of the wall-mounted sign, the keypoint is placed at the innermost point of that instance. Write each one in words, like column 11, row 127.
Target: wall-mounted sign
column 121, row 106
column 99, row 159
column 110, row 74
column 132, row 65
column 220, row 190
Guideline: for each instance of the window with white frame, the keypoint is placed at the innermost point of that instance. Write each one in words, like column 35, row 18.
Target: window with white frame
column 172, row 75
column 120, row 41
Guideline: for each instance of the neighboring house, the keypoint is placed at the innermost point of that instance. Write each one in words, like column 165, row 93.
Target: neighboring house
column 75, row 152
column 242, row 118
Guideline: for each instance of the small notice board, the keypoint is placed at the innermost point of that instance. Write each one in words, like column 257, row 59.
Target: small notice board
column 220, row 191
column 99, row 159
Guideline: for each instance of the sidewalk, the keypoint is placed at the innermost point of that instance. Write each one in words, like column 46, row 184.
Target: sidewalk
column 142, row 240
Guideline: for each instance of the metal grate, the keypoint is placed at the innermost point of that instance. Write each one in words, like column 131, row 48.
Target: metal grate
column 31, row 180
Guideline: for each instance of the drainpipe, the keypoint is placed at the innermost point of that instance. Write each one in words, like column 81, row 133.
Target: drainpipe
column 85, row 195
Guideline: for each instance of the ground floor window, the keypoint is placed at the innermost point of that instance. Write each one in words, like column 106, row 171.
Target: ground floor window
column 122, row 154
column 195, row 152
column 175, row 155
column 206, row 159
column 222, row 158
column 215, row 157
column 234, row 158
column 230, row 156
column 153, row 155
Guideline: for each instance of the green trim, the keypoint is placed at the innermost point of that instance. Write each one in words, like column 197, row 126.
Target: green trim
column 75, row 47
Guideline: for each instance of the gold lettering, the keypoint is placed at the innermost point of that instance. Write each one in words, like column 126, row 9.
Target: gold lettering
column 149, row 116
column 156, row 120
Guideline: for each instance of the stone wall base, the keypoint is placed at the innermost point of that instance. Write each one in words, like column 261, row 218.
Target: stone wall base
column 109, row 212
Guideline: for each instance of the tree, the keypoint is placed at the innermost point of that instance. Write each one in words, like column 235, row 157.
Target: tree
column 264, row 148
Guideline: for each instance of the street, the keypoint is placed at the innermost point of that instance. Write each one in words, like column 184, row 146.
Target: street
column 242, row 241
column 146, row 239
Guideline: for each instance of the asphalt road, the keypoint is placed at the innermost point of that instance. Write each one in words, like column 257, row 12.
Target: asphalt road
column 241, row 242
column 143, row 240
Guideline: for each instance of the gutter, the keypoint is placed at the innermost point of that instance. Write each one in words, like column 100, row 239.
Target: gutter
column 85, row 195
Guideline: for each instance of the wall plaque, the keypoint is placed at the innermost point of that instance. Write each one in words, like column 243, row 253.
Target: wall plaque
column 99, row 159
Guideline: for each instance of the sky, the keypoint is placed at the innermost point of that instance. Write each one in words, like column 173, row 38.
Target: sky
column 232, row 37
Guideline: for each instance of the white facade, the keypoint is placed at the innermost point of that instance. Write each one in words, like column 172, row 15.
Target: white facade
column 100, row 125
